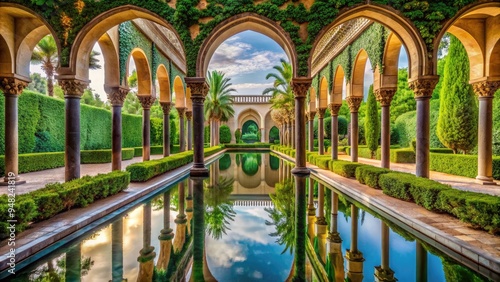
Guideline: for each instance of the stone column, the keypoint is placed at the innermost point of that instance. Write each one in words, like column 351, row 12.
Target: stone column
column 199, row 88
column 320, row 219
column 165, row 106
column 421, row 262
column 74, row 263
column 146, row 254
column 423, row 87
column 189, row 117
column 354, row 103
column 166, row 235
column 311, row 131
column 146, row 101
column 11, row 88
column 353, row 255
column 335, row 242
column 262, row 135
column 116, row 96
column 292, row 136
column 73, row 91
column 117, row 250
column 485, row 90
column 334, row 111
column 384, row 97
column 300, row 87
column 311, row 210
column 300, row 226
column 384, row 272
column 321, row 131
column 182, row 134
column 198, row 229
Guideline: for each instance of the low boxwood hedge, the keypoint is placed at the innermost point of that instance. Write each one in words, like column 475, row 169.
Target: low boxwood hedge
column 345, row 168
column 425, row 192
column 397, row 185
column 323, row 162
column 463, row 165
column 36, row 162
column 369, row 175
column 403, row 156
column 154, row 150
column 243, row 146
column 441, row 150
column 103, row 156
column 58, row 197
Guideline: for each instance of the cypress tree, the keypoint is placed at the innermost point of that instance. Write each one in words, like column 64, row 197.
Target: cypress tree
column 372, row 123
column 457, row 122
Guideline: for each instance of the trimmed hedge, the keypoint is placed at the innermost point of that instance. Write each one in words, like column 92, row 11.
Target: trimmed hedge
column 345, row 168
column 425, row 192
column 463, row 165
column 441, row 150
column 397, row 185
column 254, row 145
column 369, row 175
column 55, row 198
column 154, row 150
column 103, row 156
column 403, row 156
column 143, row 171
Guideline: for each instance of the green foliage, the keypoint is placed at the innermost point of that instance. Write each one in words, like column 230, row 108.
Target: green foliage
column 372, row 123
column 25, row 209
column 342, row 120
column 103, row 156
column 36, row 162
column 403, row 156
column 425, row 192
column 457, row 124
column 206, row 136
column 345, row 168
column 397, row 185
column 237, row 135
column 225, row 134
column 37, row 84
column 463, row 165
column 403, row 100
column 370, row 175
column 219, row 101
column 274, row 135
column 243, row 146
column 225, row 162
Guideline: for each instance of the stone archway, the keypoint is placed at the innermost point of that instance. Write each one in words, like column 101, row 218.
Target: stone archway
column 164, row 84
column 144, row 80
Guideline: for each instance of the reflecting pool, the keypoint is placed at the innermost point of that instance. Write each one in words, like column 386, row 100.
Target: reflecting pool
column 250, row 221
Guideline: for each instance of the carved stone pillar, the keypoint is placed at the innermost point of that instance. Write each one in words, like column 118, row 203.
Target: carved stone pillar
column 166, row 106
column 182, row 134
column 321, row 220
column 384, row 96
column 321, row 131
column 293, row 139
column 485, row 90
column 311, row 130
column 423, row 87
column 384, row 273
column 354, row 257
column 146, row 254
column 354, row 103
column 73, row 91
column 300, row 222
column 116, row 96
column 189, row 118
column 199, row 89
column 334, row 112
column 146, row 101
column 11, row 87
column 300, row 87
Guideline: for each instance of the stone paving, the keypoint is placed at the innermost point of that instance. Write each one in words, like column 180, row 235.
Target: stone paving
column 38, row 179
column 458, row 182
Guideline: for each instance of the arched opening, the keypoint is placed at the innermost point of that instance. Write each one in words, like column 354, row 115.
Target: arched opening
column 274, row 135
column 388, row 76
column 358, row 74
column 250, row 132
column 312, row 100
column 338, row 86
column 6, row 66
column 323, row 94
column 163, row 83
column 179, row 94
column 143, row 72
column 494, row 63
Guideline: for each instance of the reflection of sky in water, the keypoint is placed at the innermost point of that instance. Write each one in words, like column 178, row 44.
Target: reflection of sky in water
column 247, row 252
column 402, row 257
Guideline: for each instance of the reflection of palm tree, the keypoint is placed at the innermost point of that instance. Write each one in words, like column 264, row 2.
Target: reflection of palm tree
column 283, row 215
column 219, row 210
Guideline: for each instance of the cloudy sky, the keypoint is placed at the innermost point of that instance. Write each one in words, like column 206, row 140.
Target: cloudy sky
column 246, row 58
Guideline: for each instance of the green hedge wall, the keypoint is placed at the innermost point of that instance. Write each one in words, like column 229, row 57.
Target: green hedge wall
column 55, row 198
column 103, row 156
column 403, row 156
column 463, row 165
column 254, row 145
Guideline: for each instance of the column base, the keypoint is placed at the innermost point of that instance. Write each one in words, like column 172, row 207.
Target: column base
column 484, row 180
column 301, row 171
column 321, row 220
column 5, row 182
column 384, row 275
column 198, row 172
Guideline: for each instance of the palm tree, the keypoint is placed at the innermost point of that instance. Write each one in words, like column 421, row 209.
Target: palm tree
column 45, row 54
column 281, row 91
column 219, row 102
column 219, row 209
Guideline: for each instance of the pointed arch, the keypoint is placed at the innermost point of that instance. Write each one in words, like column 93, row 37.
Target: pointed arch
column 338, row 85
column 163, row 83
column 180, row 96
column 312, row 100
column 323, row 93
column 358, row 73
column 144, row 85
column 388, row 76
column 109, row 49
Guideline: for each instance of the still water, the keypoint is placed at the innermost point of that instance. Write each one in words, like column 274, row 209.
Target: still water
column 239, row 225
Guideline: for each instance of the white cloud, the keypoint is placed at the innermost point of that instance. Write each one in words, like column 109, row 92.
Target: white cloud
column 251, row 88
column 233, row 252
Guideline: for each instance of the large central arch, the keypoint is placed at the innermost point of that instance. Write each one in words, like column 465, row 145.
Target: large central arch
column 237, row 24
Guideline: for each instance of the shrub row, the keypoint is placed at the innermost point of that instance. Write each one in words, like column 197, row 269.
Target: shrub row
column 479, row 210
column 41, row 161
column 254, row 145
column 143, row 171
column 463, row 165
column 403, row 156
column 55, row 198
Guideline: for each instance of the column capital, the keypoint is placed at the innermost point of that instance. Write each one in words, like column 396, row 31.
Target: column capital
column 300, row 86
column 189, row 115
column 198, row 85
column 146, row 101
column 423, row 86
column 354, row 102
column 310, row 115
column 384, row 95
column 12, row 85
column 334, row 109
column 486, row 88
column 117, row 95
column 321, row 113
column 181, row 111
column 73, row 87
column 166, row 106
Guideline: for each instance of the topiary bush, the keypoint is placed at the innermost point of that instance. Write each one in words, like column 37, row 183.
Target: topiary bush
column 369, row 175
column 237, row 135
column 425, row 192
column 345, row 168
column 397, row 185
column 403, row 156
column 224, row 134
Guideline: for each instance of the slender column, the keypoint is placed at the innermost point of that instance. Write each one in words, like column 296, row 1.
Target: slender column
column 354, row 103
column 166, row 235
column 353, row 255
column 334, row 235
column 189, row 117
column 262, row 134
column 311, row 131
column 321, row 131
column 182, row 134
column 146, row 254
column 199, row 88
column 11, row 88
column 198, row 229
column 335, row 242
column 74, row 264
column 384, row 96
column 421, row 262
column 116, row 96
column 423, row 87
column 166, row 106
column 384, row 272
column 116, row 250
column 311, row 210
column 300, row 87
column 292, row 136
column 334, row 111
column 485, row 90
column 300, row 226
column 73, row 91
column 146, row 101
column 321, row 220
